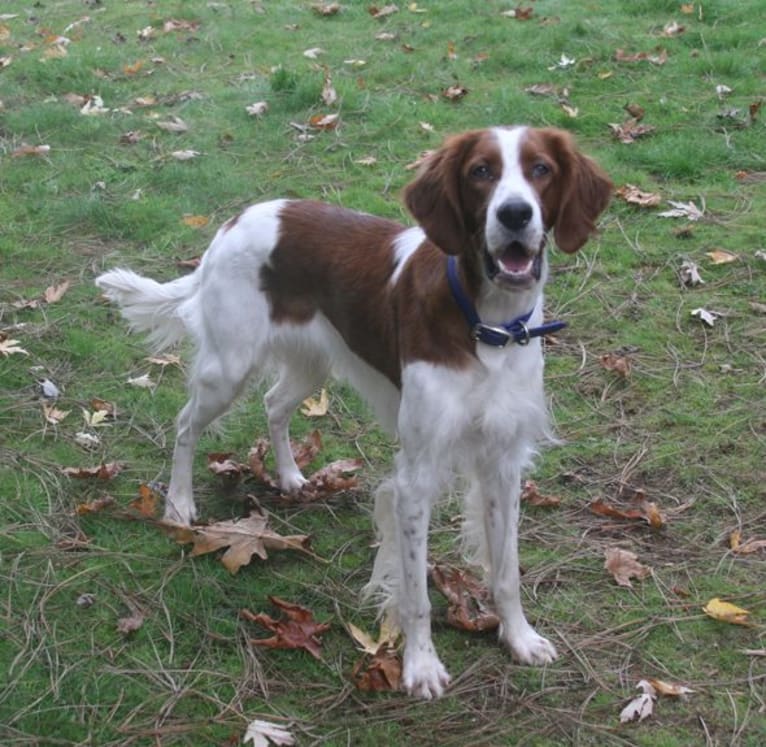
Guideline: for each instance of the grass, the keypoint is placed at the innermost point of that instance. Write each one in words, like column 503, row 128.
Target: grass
column 688, row 427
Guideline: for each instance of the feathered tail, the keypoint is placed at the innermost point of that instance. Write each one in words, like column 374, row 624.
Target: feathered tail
column 149, row 306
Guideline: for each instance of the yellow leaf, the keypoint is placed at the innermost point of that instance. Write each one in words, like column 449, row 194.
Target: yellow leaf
column 669, row 688
column 726, row 612
column 195, row 221
column 54, row 292
column 721, row 257
column 316, row 408
column 734, row 539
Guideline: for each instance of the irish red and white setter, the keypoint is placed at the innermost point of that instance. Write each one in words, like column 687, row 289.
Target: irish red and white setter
column 438, row 326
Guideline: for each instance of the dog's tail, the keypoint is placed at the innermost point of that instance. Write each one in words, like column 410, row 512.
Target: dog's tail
column 149, row 306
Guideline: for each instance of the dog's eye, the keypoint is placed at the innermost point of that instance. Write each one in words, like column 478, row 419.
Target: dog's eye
column 482, row 171
column 539, row 170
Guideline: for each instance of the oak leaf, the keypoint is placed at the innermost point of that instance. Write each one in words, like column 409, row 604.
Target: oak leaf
column 243, row 538
column 296, row 629
column 469, row 603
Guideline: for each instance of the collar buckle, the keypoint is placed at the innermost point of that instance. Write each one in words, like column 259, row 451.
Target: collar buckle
column 522, row 338
column 497, row 337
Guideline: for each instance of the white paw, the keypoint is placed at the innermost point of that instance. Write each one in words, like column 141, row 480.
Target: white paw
column 292, row 482
column 424, row 675
column 527, row 647
column 179, row 511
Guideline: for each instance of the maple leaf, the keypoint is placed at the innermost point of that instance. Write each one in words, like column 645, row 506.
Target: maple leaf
column 243, row 538
column 297, row 628
column 332, row 478
column 261, row 733
column 726, row 612
column 469, row 606
column 256, row 462
column 635, row 196
column 380, row 668
column 316, row 408
column 624, row 565
column 640, row 707
column 530, row 494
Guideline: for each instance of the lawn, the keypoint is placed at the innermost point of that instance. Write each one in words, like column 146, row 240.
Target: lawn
column 125, row 140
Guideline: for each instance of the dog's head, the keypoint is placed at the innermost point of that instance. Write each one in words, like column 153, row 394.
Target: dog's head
column 495, row 194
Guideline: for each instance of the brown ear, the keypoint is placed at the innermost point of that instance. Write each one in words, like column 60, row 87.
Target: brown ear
column 585, row 195
column 434, row 197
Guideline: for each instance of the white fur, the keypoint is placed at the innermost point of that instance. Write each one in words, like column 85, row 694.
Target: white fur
column 481, row 421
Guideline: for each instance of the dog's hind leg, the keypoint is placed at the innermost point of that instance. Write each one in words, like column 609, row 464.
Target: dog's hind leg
column 297, row 380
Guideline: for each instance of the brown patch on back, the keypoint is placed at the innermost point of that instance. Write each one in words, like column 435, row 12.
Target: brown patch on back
column 337, row 262
column 231, row 223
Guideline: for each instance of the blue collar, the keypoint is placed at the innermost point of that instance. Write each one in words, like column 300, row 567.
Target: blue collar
column 499, row 336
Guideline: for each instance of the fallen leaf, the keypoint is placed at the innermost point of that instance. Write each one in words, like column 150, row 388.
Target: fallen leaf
column 95, row 506
column 386, row 10
column 305, row 452
column 53, row 415
column 455, row 92
column 705, row 316
column 142, row 382
column 624, row 565
column 570, row 111
column 9, row 346
column 105, row 471
column 316, row 408
column 630, row 130
column 185, row 155
column 388, row 636
column 668, row 688
column 54, row 292
column 635, row 196
column 31, row 150
column 659, row 58
column 261, row 733
column 147, row 501
column 726, row 612
column 530, row 494
column 296, row 630
column 366, row 161
column 722, row 91
column 563, row 63
column 222, row 464
column 689, row 274
column 94, row 107
column 641, row 706
column 378, row 672
column 329, row 94
column 721, row 257
column 85, row 600
column 243, row 538
column 326, row 9
column 520, row 13
column 749, row 547
column 686, row 210
column 673, row 28
column 174, row 25
column 619, row 364
column 131, row 623
column 636, row 111
column 332, row 478
column 258, row 109
column 647, row 511
column 195, row 221
column 469, row 600
column 324, row 121
column 134, row 68
column 256, row 462
column 174, row 124
column 169, row 359
column 313, row 53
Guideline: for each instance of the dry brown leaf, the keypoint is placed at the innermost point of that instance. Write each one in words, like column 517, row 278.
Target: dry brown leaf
column 624, row 565
column 305, row 452
column 673, row 28
column 31, row 150
column 531, row 494
column 669, row 688
column 641, row 706
column 749, row 547
column 54, row 293
column 630, row 130
column 94, row 506
column 324, row 121
column 329, row 94
column 174, row 124
column 9, row 346
column 332, row 478
column 469, row 600
column 635, row 196
column 105, row 471
column 660, row 57
column 378, row 672
column 195, row 221
column 131, row 623
column 148, row 500
column 221, row 463
column 620, row 364
column 386, row 10
column 297, row 628
column 243, row 538
column 316, row 408
column 647, row 511
column 326, row 9
column 174, row 25
column 53, row 415
column 721, row 257
column 455, row 92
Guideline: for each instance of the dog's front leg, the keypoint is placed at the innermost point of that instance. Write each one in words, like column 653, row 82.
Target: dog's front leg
column 423, row 673
column 501, row 494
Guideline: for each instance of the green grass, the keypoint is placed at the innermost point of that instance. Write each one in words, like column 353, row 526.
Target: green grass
column 688, row 427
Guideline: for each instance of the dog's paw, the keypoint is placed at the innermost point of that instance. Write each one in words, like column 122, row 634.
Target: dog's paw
column 292, row 482
column 424, row 676
column 528, row 647
column 179, row 512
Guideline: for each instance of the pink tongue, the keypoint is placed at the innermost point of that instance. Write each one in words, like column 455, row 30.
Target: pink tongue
column 514, row 260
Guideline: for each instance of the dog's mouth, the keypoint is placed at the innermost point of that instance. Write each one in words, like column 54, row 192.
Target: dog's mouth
column 514, row 265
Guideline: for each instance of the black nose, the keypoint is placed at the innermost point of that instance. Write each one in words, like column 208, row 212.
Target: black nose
column 514, row 214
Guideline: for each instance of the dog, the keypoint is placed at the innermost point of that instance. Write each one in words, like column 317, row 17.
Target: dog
column 438, row 326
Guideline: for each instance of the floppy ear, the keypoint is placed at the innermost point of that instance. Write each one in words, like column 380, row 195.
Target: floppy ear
column 434, row 197
column 586, row 193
